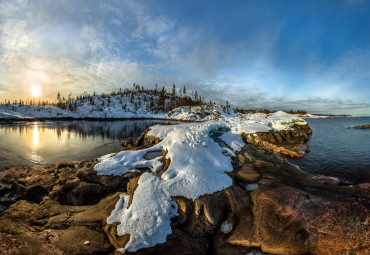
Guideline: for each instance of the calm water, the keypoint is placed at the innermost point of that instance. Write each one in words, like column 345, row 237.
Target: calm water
column 338, row 150
column 41, row 143
column 335, row 149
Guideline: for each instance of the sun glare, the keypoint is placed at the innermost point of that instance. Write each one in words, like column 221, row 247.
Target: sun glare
column 36, row 136
column 35, row 91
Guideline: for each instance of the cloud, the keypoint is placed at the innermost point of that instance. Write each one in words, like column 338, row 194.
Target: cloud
column 83, row 45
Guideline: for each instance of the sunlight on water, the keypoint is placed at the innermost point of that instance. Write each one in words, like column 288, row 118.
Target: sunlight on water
column 41, row 143
column 36, row 136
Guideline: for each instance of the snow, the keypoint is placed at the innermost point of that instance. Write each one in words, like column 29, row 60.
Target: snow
column 198, row 113
column 280, row 120
column 100, row 107
column 120, row 205
column 148, row 218
column 234, row 140
column 125, row 161
column 226, row 227
column 199, row 165
column 315, row 116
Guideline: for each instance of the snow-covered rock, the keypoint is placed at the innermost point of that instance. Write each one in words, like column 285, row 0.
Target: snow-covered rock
column 199, row 113
column 199, row 165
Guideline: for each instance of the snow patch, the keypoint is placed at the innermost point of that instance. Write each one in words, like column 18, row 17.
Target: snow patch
column 127, row 161
column 148, row 218
column 234, row 140
column 226, row 227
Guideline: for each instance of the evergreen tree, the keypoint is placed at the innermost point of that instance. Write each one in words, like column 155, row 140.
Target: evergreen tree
column 162, row 99
column 173, row 91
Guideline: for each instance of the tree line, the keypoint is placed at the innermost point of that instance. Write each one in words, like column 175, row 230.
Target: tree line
column 156, row 99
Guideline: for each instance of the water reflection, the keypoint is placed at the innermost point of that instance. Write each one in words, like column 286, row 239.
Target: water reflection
column 40, row 143
column 36, row 136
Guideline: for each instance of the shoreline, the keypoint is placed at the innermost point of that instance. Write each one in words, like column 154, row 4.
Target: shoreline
column 270, row 207
column 12, row 120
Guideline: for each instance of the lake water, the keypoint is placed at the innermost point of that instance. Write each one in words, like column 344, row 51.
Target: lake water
column 42, row 143
column 335, row 148
column 338, row 150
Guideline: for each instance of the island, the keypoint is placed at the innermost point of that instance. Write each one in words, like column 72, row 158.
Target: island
column 362, row 126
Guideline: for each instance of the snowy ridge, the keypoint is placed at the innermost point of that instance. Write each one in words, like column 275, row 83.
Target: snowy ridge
column 199, row 166
column 118, row 106
column 140, row 105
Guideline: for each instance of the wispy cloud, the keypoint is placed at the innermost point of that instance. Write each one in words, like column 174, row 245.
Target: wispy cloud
column 257, row 59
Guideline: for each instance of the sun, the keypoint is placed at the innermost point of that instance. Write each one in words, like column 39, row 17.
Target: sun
column 35, row 91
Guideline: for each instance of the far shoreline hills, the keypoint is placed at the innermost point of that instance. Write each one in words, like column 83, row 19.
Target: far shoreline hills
column 32, row 119
column 126, row 104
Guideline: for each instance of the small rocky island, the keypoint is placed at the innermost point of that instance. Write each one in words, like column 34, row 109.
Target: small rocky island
column 222, row 186
column 362, row 126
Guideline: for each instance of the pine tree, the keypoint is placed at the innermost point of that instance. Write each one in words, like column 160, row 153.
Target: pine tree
column 162, row 99
column 173, row 91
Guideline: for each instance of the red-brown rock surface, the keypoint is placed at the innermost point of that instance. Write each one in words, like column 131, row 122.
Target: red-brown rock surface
column 270, row 207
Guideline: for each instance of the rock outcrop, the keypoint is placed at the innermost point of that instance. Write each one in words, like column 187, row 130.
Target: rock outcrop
column 286, row 142
column 271, row 207
column 362, row 127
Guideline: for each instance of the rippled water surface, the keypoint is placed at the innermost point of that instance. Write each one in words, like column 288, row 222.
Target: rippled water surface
column 41, row 143
column 338, row 150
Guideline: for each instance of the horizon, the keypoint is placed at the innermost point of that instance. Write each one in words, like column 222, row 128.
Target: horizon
column 311, row 56
column 53, row 102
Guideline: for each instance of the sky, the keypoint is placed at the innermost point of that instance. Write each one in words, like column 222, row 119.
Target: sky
column 310, row 55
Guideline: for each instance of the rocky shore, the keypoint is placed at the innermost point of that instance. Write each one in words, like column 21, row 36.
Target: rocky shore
column 271, row 206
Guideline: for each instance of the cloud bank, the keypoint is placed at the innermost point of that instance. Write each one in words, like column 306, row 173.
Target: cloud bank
column 311, row 56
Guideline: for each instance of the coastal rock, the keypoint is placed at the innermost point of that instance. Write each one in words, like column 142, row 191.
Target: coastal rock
column 362, row 127
column 288, row 212
column 326, row 180
column 146, row 140
column 127, row 143
column 363, row 185
column 51, row 228
column 179, row 242
column 247, row 174
column 131, row 187
column 81, row 193
column 286, row 142
column 112, row 182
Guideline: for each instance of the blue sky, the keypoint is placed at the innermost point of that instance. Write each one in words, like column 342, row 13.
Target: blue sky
column 311, row 55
